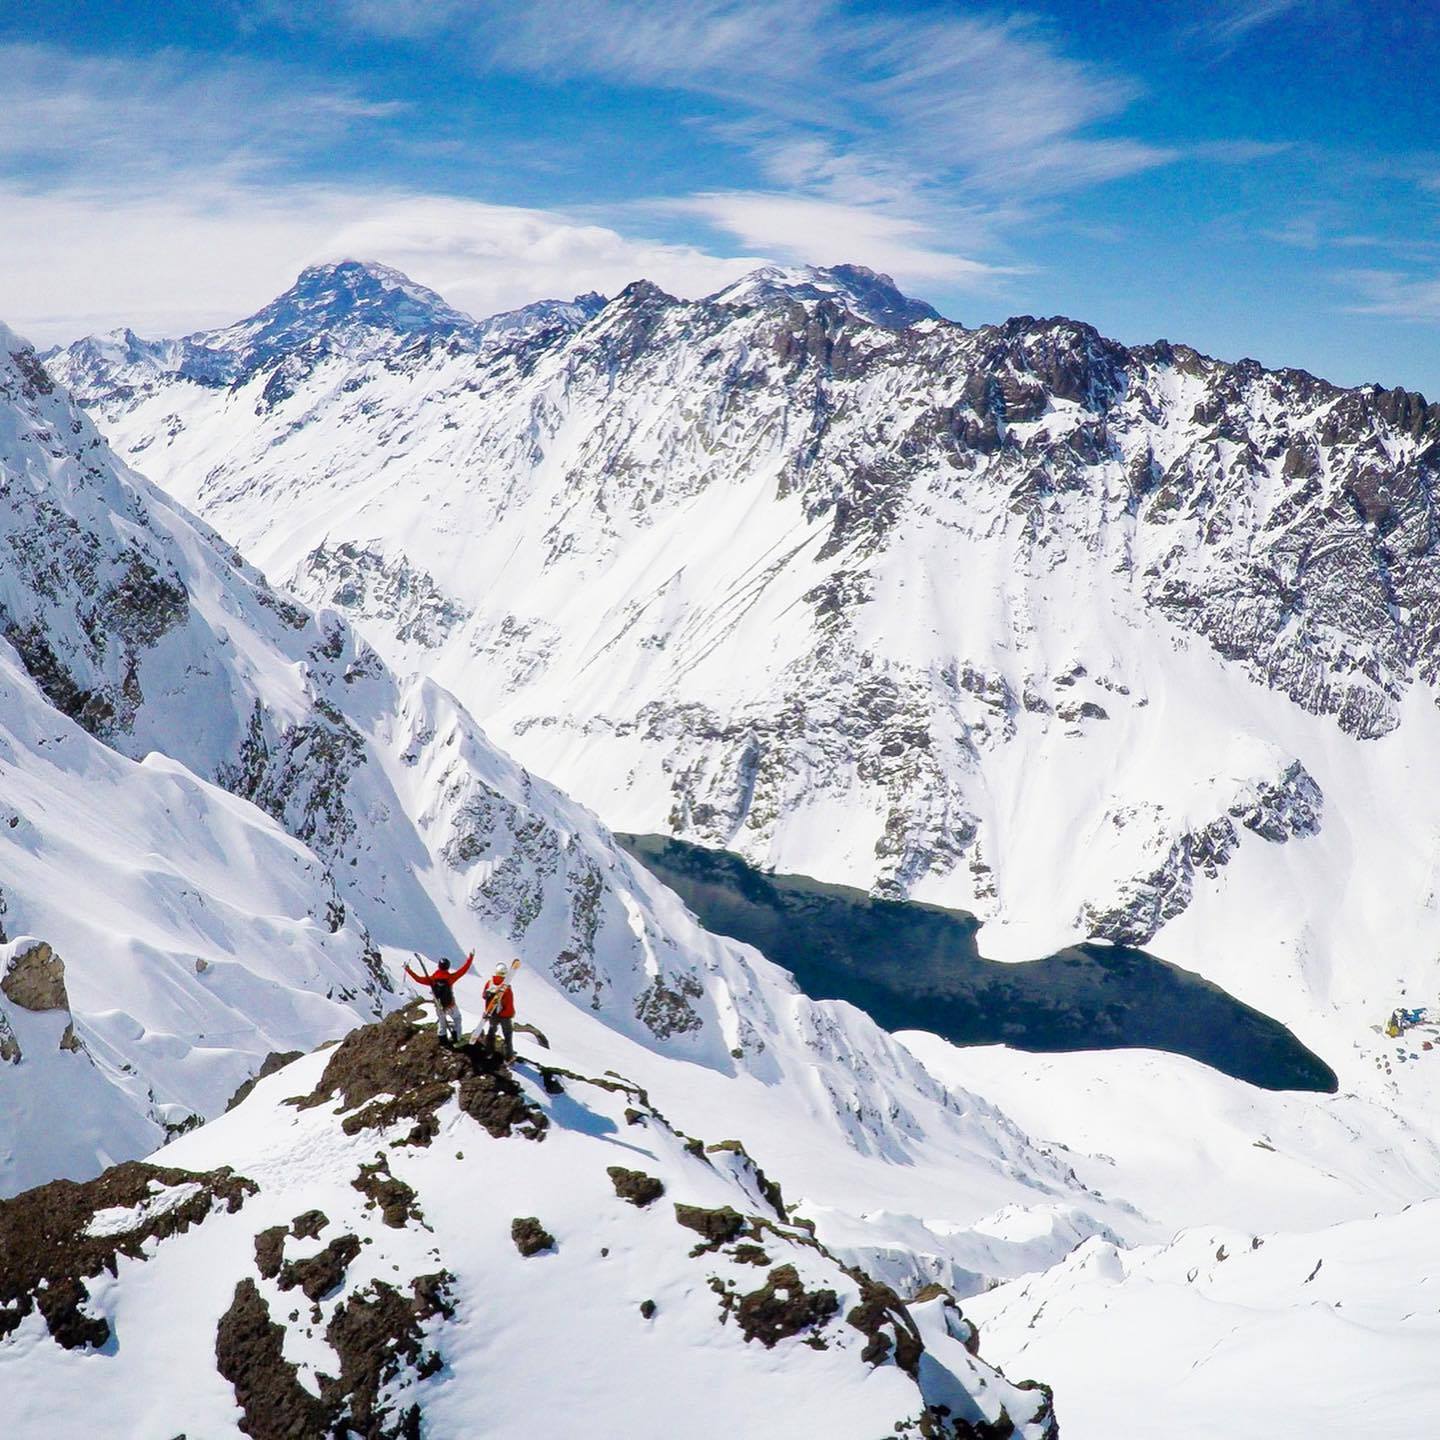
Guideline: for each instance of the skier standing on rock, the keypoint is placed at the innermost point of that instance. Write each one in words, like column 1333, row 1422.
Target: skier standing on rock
column 499, row 1001
column 442, row 990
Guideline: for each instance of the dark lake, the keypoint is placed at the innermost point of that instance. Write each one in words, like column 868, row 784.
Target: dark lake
column 917, row 967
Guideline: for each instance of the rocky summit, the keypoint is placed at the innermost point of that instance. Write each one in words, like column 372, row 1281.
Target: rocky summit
column 399, row 1236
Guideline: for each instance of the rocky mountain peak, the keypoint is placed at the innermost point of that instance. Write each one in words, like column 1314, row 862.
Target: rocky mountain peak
column 864, row 292
column 363, row 1299
column 19, row 365
column 336, row 300
column 1066, row 359
column 563, row 315
column 640, row 293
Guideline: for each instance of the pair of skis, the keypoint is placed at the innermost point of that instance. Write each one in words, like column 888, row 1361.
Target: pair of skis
column 498, row 997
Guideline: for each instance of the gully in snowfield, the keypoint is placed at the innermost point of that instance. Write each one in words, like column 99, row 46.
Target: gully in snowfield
column 499, row 1001
column 441, row 985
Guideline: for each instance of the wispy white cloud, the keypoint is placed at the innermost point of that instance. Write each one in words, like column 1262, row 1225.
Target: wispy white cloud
column 996, row 101
column 827, row 232
column 162, row 193
column 1231, row 19
column 486, row 258
column 84, row 260
column 825, row 203
column 865, row 129
column 1239, row 152
column 756, row 48
column 1224, row 26
column 1304, row 231
column 385, row 17
column 67, row 115
column 993, row 99
column 1331, row 224
column 1394, row 293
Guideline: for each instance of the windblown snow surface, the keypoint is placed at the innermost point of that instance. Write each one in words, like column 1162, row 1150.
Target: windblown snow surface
column 1090, row 641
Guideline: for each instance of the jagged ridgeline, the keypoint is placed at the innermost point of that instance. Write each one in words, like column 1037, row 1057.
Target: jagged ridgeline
column 805, row 571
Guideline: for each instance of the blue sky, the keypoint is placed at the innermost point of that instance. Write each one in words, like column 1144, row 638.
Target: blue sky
column 1254, row 177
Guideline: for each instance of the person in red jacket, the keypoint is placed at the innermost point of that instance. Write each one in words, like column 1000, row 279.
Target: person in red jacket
column 441, row 984
column 499, row 998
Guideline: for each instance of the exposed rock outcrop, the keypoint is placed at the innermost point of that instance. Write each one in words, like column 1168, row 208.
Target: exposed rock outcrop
column 530, row 1236
column 1288, row 807
column 34, row 979
column 55, row 1238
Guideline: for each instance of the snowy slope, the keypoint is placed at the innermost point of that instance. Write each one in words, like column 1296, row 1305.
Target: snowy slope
column 376, row 1233
column 1315, row 1334
column 1285, row 1293
column 1091, row 641
column 1192, row 1147
column 194, row 938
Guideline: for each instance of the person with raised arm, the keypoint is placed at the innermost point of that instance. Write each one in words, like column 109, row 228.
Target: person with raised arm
column 441, row 984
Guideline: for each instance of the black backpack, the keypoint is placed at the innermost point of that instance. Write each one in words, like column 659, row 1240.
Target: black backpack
column 443, row 992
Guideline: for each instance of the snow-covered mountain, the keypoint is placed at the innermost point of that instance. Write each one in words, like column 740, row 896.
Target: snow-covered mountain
column 347, row 307
column 863, row 292
column 225, row 822
column 345, row 304
column 540, row 315
column 1089, row 640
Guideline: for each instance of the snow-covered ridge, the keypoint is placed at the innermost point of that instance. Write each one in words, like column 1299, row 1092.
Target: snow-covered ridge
column 351, row 307
column 866, row 293
column 366, row 310
column 540, row 315
column 537, row 1244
